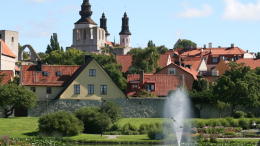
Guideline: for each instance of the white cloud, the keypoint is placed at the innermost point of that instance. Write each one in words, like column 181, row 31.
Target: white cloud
column 179, row 33
column 39, row 1
column 40, row 29
column 236, row 10
column 189, row 12
column 70, row 8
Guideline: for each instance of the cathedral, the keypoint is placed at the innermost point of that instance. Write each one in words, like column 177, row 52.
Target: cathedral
column 88, row 37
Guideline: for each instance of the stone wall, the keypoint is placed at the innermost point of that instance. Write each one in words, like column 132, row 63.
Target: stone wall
column 132, row 108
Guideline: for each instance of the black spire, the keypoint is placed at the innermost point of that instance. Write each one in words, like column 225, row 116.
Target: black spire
column 103, row 23
column 125, row 26
column 86, row 14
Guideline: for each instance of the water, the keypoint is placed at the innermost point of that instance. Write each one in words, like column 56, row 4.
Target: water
column 177, row 107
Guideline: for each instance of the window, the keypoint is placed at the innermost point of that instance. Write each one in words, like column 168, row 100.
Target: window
column 103, row 89
column 123, row 40
column 45, row 73
column 33, row 89
column 226, row 58
column 85, row 34
column 92, row 72
column 126, row 40
column 205, row 58
column 12, row 39
column 171, row 71
column 135, row 87
column 91, row 33
column 78, row 35
column 90, row 89
column 48, row 90
column 58, row 73
column 215, row 59
column 149, row 87
column 76, row 89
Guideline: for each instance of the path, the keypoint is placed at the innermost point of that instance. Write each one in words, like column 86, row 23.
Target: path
column 112, row 136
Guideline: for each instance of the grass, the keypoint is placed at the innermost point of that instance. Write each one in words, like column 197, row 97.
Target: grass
column 134, row 137
column 138, row 121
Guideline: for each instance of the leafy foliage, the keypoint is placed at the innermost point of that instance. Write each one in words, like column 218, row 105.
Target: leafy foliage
column 162, row 49
column 62, row 122
column 144, row 94
column 25, row 55
column 1, row 76
column 54, row 44
column 12, row 96
column 239, row 114
column 184, row 43
column 113, row 111
column 239, row 86
column 92, row 119
column 41, row 55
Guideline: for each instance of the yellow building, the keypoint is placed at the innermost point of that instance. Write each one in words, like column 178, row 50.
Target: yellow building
column 87, row 82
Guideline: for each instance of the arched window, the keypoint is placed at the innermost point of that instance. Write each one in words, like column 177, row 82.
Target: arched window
column 12, row 39
column 85, row 34
column 78, row 35
column 91, row 33
column 126, row 40
column 123, row 40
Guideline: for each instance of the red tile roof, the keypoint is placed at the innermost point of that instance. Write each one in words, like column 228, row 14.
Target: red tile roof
column 252, row 62
column 8, row 76
column 32, row 78
column 125, row 60
column 110, row 43
column 164, row 60
column 194, row 61
column 6, row 51
column 163, row 83
column 17, row 68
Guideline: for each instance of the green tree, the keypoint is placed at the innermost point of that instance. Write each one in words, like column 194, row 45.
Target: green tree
column 184, row 43
column 25, row 55
column 41, row 55
column 239, row 86
column 1, row 76
column 16, row 81
column 113, row 111
column 134, row 51
column 54, row 44
column 162, row 49
column 105, row 50
column 150, row 44
column 200, row 85
column 19, row 47
column 145, row 59
column 12, row 96
column 61, row 49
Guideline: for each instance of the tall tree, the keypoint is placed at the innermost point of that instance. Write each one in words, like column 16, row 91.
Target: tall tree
column 162, row 49
column 12, row 96
column 54, row 44
column 239, row 86
column 150, row 44
column 184, row 43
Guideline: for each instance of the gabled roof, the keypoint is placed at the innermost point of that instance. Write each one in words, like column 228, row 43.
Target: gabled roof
column 164, row 83
column 252, row 62
column 164, row 60
column 110, row 43
column 30, row 77
column 78, row 72
column 195, row 62
column 8, row 76
column 6, row 51
column 125, row 60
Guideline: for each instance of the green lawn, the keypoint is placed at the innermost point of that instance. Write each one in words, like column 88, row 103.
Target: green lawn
column 138, row 121
column 134, row 137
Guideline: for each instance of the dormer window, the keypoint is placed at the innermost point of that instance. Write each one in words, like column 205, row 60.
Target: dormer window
column 150, row 87
column 45, row 73
column 58, row 73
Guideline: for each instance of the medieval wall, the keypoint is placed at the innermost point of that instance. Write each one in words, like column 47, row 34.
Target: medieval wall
column 132, row 108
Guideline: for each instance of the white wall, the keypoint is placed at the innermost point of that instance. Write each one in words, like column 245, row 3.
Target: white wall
column 248, row 55
column 125, row 40
column 7, row 63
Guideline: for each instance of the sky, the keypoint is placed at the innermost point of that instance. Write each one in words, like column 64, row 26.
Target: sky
column 221, row 22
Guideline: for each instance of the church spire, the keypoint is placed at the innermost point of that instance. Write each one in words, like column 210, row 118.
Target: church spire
column 103, row 23
column 85, row 14
column 125, row 26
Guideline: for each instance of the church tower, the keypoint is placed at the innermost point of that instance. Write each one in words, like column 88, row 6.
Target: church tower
column 125, row 34
column 103, row 24
column 87, row 36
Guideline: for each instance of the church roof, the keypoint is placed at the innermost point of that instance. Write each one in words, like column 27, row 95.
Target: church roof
column 85, row 14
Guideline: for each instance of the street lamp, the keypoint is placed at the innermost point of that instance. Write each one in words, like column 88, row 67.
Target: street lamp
column 47, row 102
column 102, row 101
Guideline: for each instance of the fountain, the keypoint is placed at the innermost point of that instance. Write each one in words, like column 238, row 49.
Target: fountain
column 177, row 107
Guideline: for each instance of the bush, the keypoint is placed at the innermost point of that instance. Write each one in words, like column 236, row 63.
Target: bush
column 230, row 133
column 213, row 138
column 64, row 123
column 115, row 127
column 244, row 123
column 151, row 133
column 144, row 127
column 239, row 114
column 113, row 111
column 250, row 115
column 200, row 124
column 92, row 119
column 130, row 129
column 146, row 94
column 232, row 121
column 224, row 122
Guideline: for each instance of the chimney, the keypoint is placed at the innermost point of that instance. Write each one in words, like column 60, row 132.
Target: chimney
column 87, row 57
column 232, row 45
column 219, row 46
column 39, row 66
column 211, row 51
column 141, row 77
column 210, row 45
column 247, row 51
column 205, row 47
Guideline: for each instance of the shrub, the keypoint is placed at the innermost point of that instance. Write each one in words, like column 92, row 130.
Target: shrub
column 244, row 123
column 200, row 124
column 144, row 127
column 64, row 123
column 113, row 111
column 232, row 121
column 151, row 133
column 239, row 114
column 130, row 129
column 230, row 133
column 115, row 127
column 213, row 138
column 146, row 94
column 250, row 115
column 92, row 119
